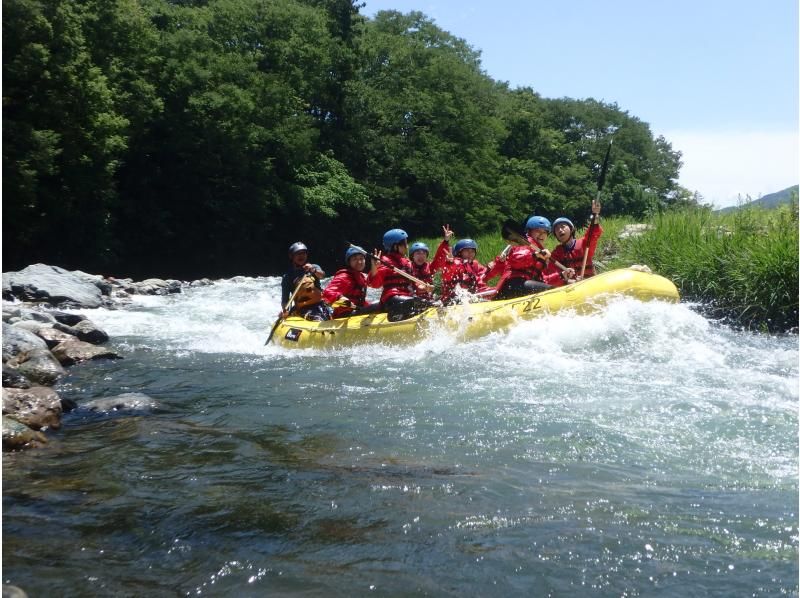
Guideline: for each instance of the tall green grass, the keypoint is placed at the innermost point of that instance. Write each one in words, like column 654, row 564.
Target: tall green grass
column 741, row 266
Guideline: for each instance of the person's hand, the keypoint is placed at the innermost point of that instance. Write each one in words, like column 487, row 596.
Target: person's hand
column 309, row 267
column 425, row 288
column 490, row 265
column 283, row 314
column 376, row 253
column 595, row 207
column 447, row 233
column 543, row 254
column 568, row 273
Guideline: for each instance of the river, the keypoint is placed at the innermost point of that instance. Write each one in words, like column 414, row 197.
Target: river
column 641, row 451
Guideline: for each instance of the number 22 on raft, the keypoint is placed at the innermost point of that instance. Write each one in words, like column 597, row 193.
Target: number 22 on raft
column 531, row 304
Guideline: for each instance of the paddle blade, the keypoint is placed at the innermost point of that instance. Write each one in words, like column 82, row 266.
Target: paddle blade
column 511, row 232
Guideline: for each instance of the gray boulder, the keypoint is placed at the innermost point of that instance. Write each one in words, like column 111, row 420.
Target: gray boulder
column 85, row 330
column 37, row 407
column 75, row 351
column 53, row 285
column 133, row 401
column 39, row 366
column 67, row 318
column 53, row 337
column 16, row 340
column 13, row 379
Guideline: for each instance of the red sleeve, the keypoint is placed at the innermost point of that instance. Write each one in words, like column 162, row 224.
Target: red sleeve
column 552, row 274
column 496, row 269
column 440, row 257
column 520, row 258
column 376, row 281
column 337, row 287
column 591, row 236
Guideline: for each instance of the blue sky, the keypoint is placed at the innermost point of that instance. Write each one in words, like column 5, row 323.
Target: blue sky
column 717, row 78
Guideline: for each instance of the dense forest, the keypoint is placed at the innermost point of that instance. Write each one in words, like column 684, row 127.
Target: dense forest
column 192, row 138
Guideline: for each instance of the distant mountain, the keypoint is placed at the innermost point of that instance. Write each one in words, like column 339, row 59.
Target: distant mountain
column 773, row 200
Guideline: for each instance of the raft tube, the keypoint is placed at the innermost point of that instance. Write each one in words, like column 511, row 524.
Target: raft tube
column 473, row 320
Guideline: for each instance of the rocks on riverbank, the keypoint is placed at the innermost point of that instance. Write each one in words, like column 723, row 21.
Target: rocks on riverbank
column 40, row 340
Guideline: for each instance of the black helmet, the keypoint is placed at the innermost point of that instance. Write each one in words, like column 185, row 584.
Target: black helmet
column 297, row 247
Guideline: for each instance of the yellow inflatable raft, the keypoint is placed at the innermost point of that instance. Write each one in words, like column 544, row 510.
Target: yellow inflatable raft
column 473, row 320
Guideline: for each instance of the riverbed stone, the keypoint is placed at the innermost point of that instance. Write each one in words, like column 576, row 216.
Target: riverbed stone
column 37, row 407
column 75, row 351
column 17, row 436
column 13, row 378
column 39, row 365
column 18, row 340
column 51, row 284
column 68, row 318
column 134, row 401
column 53, row 336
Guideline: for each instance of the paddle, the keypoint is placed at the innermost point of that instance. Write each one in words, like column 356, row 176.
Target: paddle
column 600, row 182
column 511, row 233
column 413, row 279
column 286, row 307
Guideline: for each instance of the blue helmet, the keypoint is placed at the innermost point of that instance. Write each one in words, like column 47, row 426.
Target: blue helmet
column 566, row 221
column 351, row 252
column 464, row 244
column 393, row 237
column 419, row 247
column 538, row 222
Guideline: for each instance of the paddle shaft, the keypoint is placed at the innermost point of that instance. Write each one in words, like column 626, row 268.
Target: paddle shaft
column 600, row 182
column 518, row 238
column 287, row 306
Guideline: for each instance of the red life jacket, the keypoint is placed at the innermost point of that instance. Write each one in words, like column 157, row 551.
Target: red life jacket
column 573, row 257
column 461, row 273
column 522, row 263
column 425, row 274
column 346, row 284
column 393, row 283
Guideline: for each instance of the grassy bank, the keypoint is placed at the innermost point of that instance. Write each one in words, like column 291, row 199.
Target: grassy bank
column 742, row 267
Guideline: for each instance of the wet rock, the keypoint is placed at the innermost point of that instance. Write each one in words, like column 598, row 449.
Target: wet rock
column 85, row 330
column 53, row 336
column 30, row 325
column 51, row 284
column 203, row 282
column 17, row 340
column 37, row 407
column 17, row 436
column 75, row 351
column 12, row 378
column 97, row 280
column 39, row 365
column 134, row 401
column 69, row 319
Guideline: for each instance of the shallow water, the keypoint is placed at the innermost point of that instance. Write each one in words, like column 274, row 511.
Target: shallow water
column 641, row 451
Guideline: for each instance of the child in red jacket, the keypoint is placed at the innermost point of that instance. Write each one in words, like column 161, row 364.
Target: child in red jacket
column 570, row 251
column 346, row 293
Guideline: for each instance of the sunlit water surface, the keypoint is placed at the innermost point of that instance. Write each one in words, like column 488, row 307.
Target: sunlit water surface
column 641, row 451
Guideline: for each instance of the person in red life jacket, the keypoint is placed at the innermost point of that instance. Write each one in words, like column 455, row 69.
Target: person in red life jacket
column 346, row 293
column 421, row 268
column 399, row 295
column 304, row 278
column 526, row 268
column 460, row 268
column 570, row 250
